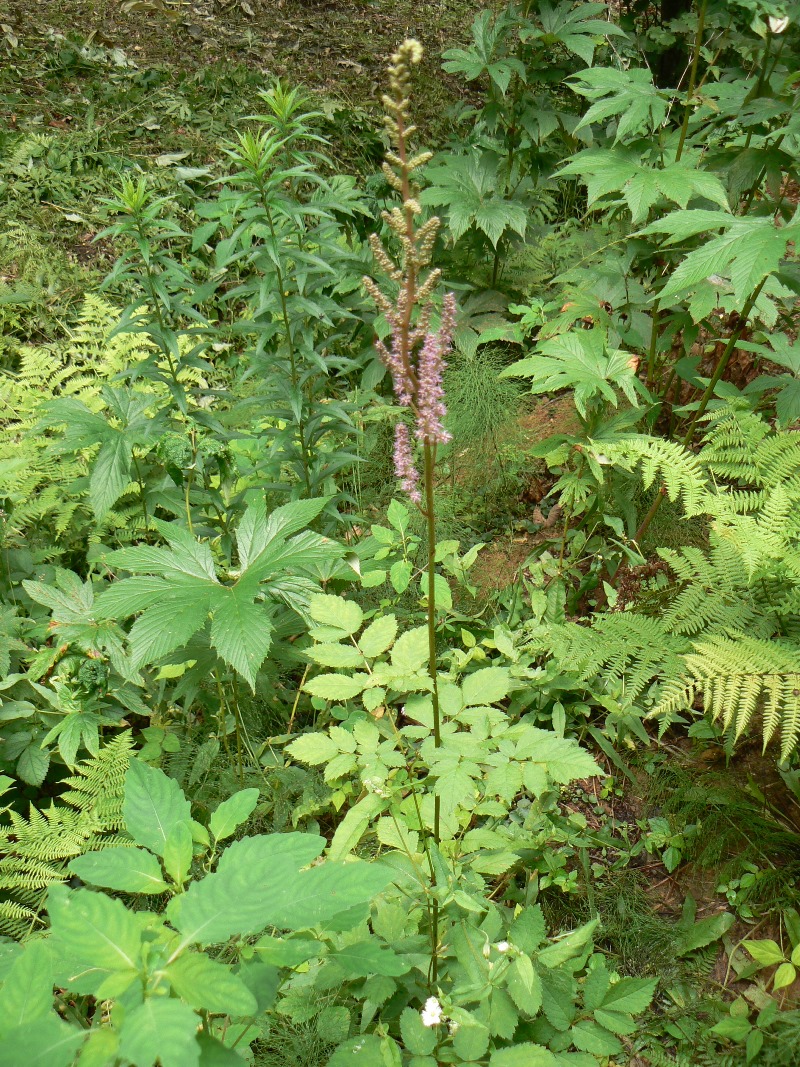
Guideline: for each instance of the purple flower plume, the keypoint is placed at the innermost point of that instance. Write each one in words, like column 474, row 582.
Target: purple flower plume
column 404, row 468
column 418, row 385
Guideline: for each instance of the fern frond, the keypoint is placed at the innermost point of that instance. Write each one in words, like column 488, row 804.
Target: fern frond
column 738, row 676
column 663, row 463
column 35, row 850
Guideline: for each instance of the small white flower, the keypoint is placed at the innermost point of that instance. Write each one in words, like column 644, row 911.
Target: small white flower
column 487, row 950
column 431, row 1014
column 777, row 25
column 452, row 1026
column 502, row 946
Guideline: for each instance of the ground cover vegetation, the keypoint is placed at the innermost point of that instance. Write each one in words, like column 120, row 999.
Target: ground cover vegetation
column 400, row 571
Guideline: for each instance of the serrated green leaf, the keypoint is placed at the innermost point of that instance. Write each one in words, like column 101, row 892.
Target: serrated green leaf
column 378, row 636
column 329, row 610
column 630, row 995
column 313, row 749
column 561, row 757
column 418, row 1039
column 525, row 986
column 410, row 651
column 330, row 654
column 369, row 957
column 400, row 575
column 589, row 1037
column 353, row 826
column 336, row 686
column 249, row 886
column 177, row 856
column 486, row 686
column 241, row 632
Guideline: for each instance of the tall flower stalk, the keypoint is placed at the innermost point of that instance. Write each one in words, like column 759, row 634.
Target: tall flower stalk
column 414, row 352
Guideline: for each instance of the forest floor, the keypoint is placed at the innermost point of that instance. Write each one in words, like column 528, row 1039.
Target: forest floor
column 338, row 47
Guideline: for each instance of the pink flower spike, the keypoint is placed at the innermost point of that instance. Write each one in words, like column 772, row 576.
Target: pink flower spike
column 404, row 468
column 431, row 411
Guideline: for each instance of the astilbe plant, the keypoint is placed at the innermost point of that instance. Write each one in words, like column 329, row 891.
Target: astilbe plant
column 415, row 353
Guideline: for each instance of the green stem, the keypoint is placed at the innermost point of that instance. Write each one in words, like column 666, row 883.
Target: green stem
column 701, row 24
column 653, row 349
column 430, row 517
column 289, row 341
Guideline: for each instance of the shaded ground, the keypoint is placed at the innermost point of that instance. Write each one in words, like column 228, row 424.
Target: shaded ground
column 338, row 46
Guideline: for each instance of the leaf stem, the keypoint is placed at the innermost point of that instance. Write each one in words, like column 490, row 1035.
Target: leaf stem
column 698, row 40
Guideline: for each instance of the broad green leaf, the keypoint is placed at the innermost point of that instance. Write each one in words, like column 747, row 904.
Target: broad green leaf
column 96, row 930
column 525, row 1055
column 325, row 891
column 400, row 575
column 160, row 1030
column 616, row 1021
column 130, row 870
column 369, row 957
column 362, row 1051
column 765, row 953
column 330, row 610
column 33, row 764
column 734, row 1027
column 26, row 995
column 398, row 515
column 111, row 473
column 313, row 749
column 207, row 984
column 288, row 952
column 256, row 530
column 241, row 632
column 100, row 1049
column 352, row 827
column 178, row 852
column 378, row 636
column 702, row 933
column 214, row 1054
column 50, row 1043
column 253, row 878
column 784, row 976
column 528, row 929
column 486, row 686
column 153, row 805
column 628, row 94
column 336, row 686
column 232, row 813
